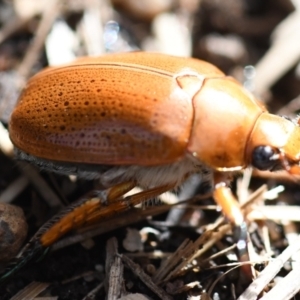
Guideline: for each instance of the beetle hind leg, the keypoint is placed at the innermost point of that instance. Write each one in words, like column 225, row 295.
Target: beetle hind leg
column 104, row 205
column 88, row 210
column 122, row 204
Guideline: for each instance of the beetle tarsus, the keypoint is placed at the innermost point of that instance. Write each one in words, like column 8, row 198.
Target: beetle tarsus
column 240, row 235
column 34, row 250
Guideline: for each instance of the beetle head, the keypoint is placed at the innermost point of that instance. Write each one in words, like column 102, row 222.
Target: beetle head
column 274, row 144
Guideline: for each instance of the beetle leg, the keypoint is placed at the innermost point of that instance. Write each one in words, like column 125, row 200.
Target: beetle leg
column 120, row 205
column 77, row 214
column 231, row 209
column 225, row 199
column 85, row 211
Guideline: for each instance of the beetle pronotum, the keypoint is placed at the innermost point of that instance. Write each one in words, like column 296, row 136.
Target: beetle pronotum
column 149, row 120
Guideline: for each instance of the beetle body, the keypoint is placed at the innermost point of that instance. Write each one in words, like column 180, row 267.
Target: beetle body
column 150, row 117
column 149, row 120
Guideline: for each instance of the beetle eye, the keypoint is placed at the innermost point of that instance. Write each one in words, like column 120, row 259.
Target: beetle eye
column 263, row 158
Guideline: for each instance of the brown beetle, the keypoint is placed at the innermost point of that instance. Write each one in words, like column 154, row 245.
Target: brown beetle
column 149, row 120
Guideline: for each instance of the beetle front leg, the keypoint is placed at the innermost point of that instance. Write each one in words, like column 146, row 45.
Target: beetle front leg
column 232, row 211
column 225, row 199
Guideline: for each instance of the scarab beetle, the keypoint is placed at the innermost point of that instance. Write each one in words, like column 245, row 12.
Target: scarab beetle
column 149, row 120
